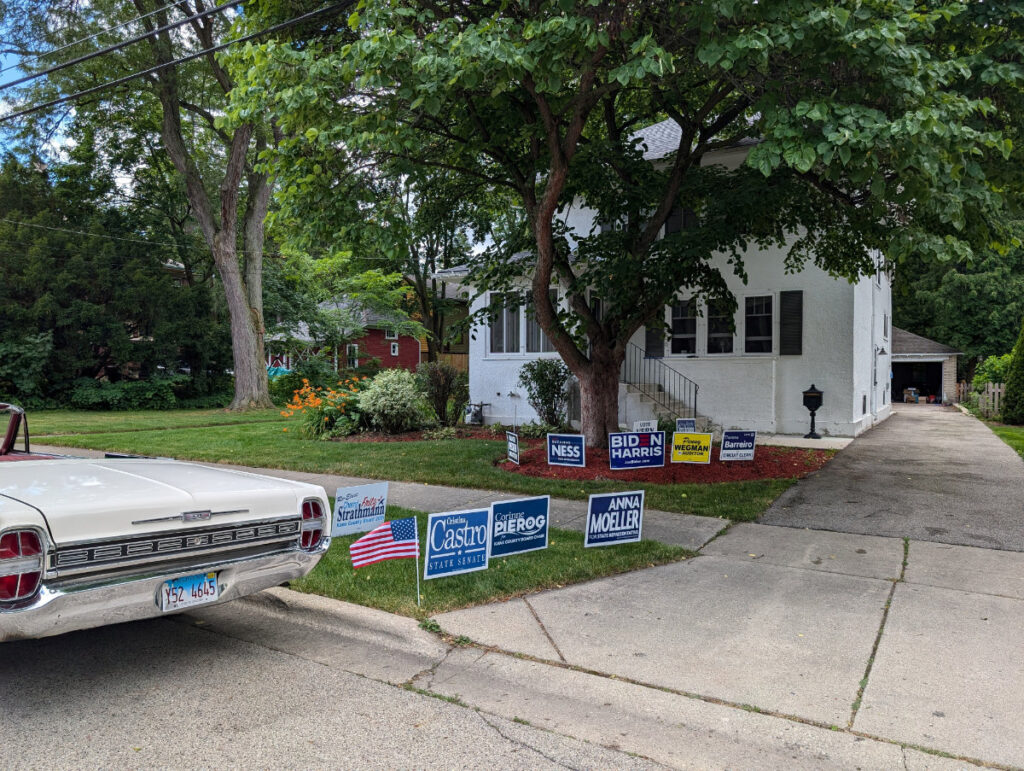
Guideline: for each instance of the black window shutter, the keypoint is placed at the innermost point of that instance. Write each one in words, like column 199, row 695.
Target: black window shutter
column 791, row 323
column 674, row 221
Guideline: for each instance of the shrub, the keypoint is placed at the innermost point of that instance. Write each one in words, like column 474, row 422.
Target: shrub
column 536, row 430
column 446, row 389
column 154, row 394
column 392, row 403
column 23, row 365
column 1013, row 400
column 315, row 371
column 546, row 382
column 326, row 412
column 992, row 370
column 439, row 434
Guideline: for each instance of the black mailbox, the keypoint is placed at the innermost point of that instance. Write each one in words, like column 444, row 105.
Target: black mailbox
column 812, row 398
column 812, row 401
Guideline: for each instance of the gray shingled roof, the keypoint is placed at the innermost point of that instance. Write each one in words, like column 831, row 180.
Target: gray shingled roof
column 662, row 139
column 908, row 344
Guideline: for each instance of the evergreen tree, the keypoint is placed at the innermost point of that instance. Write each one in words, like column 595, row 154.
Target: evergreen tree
column 1013, row 403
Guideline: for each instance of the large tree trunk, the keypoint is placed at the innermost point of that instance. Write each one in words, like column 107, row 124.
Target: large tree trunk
column 599, row 397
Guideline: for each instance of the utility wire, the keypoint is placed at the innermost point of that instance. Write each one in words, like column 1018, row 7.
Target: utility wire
column 73, row 43
column 121, row 45
column 180, row 60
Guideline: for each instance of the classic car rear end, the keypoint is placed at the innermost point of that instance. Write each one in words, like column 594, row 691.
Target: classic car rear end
column 87, row 542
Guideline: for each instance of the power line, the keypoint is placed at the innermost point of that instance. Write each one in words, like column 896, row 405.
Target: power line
column 73, row 43
column 119, row 46
column 180, row 60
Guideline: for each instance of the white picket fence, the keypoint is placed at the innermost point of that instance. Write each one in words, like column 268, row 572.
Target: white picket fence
column 990, row 401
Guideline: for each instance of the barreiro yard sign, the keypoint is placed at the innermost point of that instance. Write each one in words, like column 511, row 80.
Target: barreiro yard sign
column 636, row 450
column 737, row 445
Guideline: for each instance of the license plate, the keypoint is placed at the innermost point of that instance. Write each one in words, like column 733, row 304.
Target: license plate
column 188, row 591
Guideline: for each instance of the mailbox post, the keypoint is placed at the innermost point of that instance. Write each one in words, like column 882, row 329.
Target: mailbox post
column 812, row 401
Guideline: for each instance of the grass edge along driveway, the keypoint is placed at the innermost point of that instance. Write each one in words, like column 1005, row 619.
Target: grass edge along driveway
column 271, row 444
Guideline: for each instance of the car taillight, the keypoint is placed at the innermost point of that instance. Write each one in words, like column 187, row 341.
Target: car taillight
column 313, row 524
column 21, row 564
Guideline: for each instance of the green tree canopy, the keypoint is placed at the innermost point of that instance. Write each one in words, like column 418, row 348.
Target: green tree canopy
column 875, row 130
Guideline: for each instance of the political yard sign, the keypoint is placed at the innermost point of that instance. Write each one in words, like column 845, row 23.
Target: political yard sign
column 636, row 450
column 691, row 448
column 686, row 425
column 519, row 526
column 614, row 518
column 513, row 446
column 737, row 445
column 456, row 543
column 645, row 426
column 567, row 450
column 359, row 509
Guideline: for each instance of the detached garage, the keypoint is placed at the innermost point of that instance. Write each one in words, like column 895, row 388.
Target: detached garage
column 922, row 367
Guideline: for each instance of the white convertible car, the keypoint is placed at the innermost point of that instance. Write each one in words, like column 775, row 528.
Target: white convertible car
column 87, row 542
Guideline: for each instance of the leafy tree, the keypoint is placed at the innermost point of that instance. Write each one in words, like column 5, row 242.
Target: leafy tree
column 179, row 108
column 866, row 136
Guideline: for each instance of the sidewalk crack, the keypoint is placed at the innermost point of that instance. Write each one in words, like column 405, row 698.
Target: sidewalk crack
column 878, row 637
column 524, row 745
column 430, row 671
column 544, row 629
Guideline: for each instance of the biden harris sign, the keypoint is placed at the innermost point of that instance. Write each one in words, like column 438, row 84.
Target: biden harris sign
column 519, row 526
column 636, row 450
column 456, row 543
column 614, row 518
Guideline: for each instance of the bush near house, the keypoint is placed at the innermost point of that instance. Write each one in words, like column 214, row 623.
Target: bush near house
column 992, row 370
column 1013, row 400
column 392, row 402
column 446, row 388
column 546, row 382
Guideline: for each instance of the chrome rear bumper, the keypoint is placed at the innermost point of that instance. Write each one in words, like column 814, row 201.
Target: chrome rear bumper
column 130, row 598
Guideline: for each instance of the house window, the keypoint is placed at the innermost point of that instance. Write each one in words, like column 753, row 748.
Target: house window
column 536, row 338
column 394, row 349
column 352, row 355
column 758, row 326
column 719, row 327
column 504, row 324
column 885, row 326
column 684, row 327
column 390, row 334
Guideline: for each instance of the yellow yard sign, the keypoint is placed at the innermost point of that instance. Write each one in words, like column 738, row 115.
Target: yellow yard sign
column 691, row 448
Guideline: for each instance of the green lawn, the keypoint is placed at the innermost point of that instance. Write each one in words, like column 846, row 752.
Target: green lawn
column 391, row 585
column 84, row 422
column 1012, row 435
column 264, row 442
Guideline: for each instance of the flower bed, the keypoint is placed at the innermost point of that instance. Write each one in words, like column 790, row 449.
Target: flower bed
column 769, row 463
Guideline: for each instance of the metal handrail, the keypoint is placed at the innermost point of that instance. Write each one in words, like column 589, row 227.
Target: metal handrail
column 675, row 392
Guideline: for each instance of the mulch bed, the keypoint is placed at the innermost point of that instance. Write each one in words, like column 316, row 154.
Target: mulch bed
column 769, row 463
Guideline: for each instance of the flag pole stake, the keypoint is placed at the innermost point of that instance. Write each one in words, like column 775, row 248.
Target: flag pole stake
column 417, row 521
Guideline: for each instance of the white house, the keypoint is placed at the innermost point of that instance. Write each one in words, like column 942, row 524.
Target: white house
column 790, row 331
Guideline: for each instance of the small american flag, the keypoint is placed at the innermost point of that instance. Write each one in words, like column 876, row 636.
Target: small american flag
column 393, row 540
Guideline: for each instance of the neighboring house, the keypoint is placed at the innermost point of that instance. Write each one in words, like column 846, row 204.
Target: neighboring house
column 927, row 367
column 790, row 331
column 379, row 342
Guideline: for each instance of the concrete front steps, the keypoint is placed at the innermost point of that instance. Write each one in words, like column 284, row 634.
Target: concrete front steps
column 646, row 401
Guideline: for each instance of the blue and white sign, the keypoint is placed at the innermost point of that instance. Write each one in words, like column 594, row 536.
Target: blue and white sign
column 512, row 439
column 456, row 543
column 567, row 450
column 737, row 445
column 614, row 518
column 519, row 526
column 359, row 509
column 636, row 450
column 686, row 425
column 645, row 426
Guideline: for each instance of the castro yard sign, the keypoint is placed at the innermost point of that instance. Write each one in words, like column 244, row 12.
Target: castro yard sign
column 636, row 450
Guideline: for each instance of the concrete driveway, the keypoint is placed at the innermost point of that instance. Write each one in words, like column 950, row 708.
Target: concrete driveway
column 928, row 473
